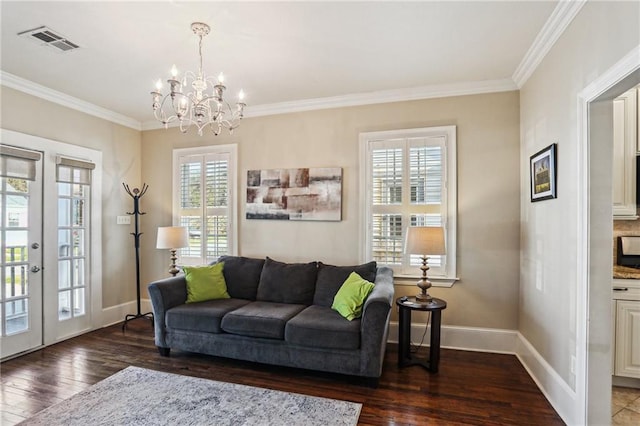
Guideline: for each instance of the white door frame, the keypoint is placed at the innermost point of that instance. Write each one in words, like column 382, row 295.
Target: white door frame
column 589, row 388
column 52, row 332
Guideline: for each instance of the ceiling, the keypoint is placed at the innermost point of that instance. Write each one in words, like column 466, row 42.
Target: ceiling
column 279, row 53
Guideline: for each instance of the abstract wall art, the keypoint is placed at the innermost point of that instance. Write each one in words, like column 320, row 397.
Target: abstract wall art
column 295, row 194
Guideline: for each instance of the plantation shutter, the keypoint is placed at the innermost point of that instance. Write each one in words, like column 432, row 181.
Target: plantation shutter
column 407, row 185
column 204, row 206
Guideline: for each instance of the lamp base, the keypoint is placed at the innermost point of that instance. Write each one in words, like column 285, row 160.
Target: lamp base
column 174, row 269
column 424, row 297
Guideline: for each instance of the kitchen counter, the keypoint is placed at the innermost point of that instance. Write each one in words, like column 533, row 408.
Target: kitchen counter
column 622, row 272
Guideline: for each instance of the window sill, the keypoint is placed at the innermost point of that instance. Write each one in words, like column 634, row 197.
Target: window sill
column 411, row 280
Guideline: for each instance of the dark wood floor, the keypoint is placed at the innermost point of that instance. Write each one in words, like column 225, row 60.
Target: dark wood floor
column 471, row 388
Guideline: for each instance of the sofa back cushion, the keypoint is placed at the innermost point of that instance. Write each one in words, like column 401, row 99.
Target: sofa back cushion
column 331, row 278
column 242, row 275
column 287, row 282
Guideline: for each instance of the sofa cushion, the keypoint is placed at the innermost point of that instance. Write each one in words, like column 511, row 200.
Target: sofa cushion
column 205, row 283
column 242, row 275
column 331, row 278
column 322, row 327
column 201, row 316
column 260, row 319
column 287, row 282
column 351, row 296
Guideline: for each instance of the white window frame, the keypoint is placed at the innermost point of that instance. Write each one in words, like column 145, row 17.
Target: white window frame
column 402, row 274
column 232, row 151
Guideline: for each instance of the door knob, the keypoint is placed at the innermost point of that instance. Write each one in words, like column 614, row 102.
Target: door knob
column 35, row 246
column 35, row 269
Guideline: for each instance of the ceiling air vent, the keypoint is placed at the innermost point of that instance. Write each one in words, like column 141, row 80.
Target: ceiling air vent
column 47, row 37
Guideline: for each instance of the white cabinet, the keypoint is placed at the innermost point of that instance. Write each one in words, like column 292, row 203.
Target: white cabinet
column 625, row 147
column 627, row 338
column 626, row 324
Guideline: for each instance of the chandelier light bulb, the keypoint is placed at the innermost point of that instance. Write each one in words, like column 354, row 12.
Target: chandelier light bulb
column 197, row 99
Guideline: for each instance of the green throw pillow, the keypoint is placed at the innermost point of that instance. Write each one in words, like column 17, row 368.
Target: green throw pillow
column 205, row 283
column 351, row 296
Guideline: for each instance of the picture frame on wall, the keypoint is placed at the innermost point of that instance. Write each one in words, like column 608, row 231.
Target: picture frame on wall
column 543, row 173
column 301, row 194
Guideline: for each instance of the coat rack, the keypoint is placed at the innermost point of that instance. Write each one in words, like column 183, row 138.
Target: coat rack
column 136, row 194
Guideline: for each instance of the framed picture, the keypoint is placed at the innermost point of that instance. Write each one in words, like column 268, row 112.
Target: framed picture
column 543, row 174
column 295, row 194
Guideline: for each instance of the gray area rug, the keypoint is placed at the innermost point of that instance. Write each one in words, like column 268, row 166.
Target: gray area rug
column 137, row 396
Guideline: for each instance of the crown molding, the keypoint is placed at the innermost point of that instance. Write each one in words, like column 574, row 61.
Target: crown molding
column 557, row 23
column 370, row 98
column 35, row 89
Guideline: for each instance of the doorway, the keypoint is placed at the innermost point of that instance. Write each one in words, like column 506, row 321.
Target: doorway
column 595, row 118
column 50, row 232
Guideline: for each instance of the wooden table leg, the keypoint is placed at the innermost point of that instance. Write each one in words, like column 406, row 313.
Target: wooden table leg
column 404, row 336
column 434, row 349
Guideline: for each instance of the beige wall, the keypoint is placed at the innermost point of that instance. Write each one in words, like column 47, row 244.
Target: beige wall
column 600, row 35
column 488, row 192
column 120, row 147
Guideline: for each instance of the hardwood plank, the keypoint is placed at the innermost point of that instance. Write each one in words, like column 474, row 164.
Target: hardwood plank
column 472, row 388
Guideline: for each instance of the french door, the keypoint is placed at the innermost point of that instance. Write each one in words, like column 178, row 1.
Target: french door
column 21, row 242
column 50, row 241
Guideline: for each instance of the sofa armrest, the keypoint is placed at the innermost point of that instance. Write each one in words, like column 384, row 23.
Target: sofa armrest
column 164, row 295
column 375, row 323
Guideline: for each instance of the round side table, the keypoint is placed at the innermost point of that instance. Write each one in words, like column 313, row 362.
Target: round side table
column 406, row 305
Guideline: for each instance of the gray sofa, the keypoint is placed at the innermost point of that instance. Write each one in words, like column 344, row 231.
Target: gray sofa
column 279, row 313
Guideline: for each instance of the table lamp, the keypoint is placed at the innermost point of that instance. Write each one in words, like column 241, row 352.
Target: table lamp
column 173, row 238
column 425, row 241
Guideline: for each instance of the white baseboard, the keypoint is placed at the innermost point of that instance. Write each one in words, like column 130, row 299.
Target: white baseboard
column 463, row 338
column 626, row 382
column 553, row 387
column 115, row 314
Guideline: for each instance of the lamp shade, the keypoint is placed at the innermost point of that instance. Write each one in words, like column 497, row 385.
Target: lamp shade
column 425, row 240
column 172, row 237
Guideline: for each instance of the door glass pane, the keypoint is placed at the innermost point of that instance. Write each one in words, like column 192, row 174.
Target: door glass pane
column 78, row 212
column 78, row 272
column 16, row 316
column 17, row 211
column 64, row 209
column 64, row 243
column 78, row 242
column 16, row 248
column 78, row 190
column 64, row 273
column 78, row 302
column 64, row 189
column 64, row 305
column 16, row 281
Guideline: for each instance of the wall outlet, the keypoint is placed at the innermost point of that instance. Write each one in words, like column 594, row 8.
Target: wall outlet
column 573, row 364
column 123, row 220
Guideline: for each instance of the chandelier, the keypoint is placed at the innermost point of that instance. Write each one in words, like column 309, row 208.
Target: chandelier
column 190, row 103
